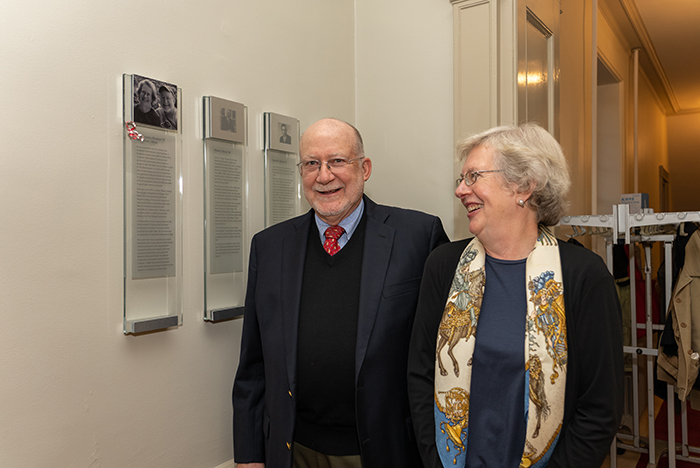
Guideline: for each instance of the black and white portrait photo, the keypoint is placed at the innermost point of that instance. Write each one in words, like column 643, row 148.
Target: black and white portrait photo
column 225, row 120
column 285, row 137
column 155, row 103
column 281, row 132
column 228, row 120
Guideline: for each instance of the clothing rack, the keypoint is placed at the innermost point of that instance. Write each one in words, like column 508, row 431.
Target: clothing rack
column 643, row 228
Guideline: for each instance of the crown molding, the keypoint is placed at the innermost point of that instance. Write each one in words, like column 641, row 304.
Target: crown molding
column 638, row 25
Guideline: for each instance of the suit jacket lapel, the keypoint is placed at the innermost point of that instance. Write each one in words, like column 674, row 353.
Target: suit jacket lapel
column 293, row 259
column 379, row 239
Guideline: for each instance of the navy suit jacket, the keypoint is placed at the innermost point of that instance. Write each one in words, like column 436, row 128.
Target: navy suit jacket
column 397, row 243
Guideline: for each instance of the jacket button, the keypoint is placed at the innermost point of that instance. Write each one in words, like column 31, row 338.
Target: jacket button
column 289, row 446
column 684, row 325
column 678, row 299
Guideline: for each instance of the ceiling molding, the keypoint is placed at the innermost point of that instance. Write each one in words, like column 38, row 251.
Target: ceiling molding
column 614, row 26
column 688, row 111
column 650, row 86
column 636, row 21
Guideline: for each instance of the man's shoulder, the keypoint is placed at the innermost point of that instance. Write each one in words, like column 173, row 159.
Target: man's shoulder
column 408, row 212
column 283, row 227
column 409, row 225
column 404, row 214
column 412, row 223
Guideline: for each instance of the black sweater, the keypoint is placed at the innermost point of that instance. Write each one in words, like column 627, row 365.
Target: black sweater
column 330, row 300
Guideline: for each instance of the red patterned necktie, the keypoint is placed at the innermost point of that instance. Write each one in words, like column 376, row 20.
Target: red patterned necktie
column 331, row 244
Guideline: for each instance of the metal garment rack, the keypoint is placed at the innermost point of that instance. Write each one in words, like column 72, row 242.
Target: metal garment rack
column 643, row 228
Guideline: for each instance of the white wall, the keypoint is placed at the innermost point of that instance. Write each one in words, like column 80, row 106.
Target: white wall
column 404, row 102
column 74, row 390
column 684, row 161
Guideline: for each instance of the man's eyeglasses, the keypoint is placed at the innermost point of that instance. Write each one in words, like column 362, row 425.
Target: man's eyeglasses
column 471, row 177
column 334, row 165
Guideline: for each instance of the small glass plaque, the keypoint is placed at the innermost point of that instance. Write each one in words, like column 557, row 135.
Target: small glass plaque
column 282, row 189
column 152, row 102
column 281, row 133
column 225, row 187
column 225, row 120
column 282, row 180
column 152, row 205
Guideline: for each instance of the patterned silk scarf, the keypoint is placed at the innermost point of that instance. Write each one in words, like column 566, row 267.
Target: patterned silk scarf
column 545, row 352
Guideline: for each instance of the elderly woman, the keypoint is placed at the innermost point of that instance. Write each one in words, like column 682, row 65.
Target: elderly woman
column 516, row 352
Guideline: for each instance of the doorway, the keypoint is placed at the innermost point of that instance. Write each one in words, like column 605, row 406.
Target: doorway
column 608, row 179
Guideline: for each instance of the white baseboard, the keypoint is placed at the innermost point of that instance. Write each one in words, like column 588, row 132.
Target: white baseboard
column 228, row 464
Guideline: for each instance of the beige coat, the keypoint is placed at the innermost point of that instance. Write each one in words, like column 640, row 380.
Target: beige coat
column 682, row 370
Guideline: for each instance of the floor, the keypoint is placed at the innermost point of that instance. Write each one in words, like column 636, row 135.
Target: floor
column 629, row 459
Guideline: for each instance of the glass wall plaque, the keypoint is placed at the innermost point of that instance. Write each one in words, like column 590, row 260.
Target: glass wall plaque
column 282, row 180
column 225, row 208
column 152, row 205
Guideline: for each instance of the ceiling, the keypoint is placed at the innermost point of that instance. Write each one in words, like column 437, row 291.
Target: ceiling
column 668, row 34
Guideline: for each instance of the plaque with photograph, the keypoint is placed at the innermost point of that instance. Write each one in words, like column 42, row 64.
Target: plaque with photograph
column 225, row 208
column 153, row 103
column 152, row 206
column 282, row 179
column 281, row 133
column 225, row 120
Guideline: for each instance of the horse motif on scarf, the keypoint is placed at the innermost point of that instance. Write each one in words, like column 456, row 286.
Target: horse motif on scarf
column 546, row 295
column 460, row 316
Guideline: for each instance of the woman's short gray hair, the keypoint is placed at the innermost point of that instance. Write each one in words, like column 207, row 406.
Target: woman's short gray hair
column 529, row 157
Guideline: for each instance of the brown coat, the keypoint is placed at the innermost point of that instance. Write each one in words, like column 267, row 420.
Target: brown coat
column 682, row 370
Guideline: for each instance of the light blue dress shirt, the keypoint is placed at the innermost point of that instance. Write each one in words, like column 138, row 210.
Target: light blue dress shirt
column 349, row 224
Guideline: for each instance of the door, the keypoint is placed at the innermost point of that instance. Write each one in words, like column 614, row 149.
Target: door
column 506, row 70
column 538, row 63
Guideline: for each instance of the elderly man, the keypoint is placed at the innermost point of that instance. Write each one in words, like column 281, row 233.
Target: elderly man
column 328, row 314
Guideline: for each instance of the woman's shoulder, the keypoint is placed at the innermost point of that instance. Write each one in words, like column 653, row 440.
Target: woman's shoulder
column 581, row 264
column 446, row 255
column 451, row 249
column 578, row 254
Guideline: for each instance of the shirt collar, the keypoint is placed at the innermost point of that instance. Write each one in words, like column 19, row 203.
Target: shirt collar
column 349, row 223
